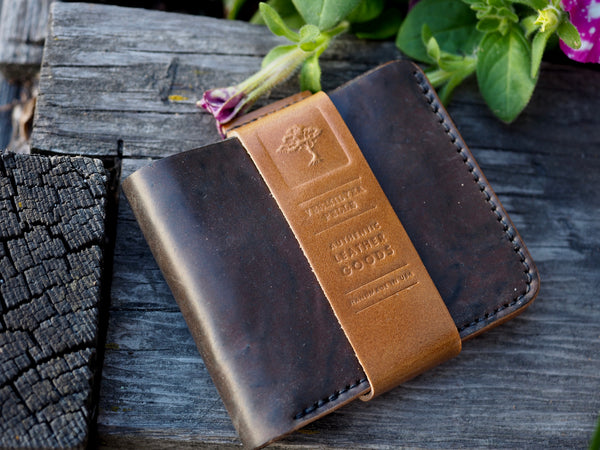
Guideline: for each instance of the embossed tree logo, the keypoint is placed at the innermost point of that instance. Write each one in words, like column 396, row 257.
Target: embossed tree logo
column 298, row 138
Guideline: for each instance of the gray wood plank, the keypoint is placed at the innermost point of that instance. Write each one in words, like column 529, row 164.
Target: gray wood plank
column 89, row 44
column 9, row 93
column 532, row 382
column 22, row 33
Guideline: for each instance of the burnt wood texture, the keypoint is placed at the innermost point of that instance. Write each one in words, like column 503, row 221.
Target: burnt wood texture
column 119, row 81
column 52, row 212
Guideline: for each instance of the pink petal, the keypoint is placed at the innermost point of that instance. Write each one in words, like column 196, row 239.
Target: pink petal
column 224, row 104
column 585, row 16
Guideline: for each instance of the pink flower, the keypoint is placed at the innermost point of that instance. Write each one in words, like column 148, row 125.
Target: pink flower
column 224, row 104
column 585, row 16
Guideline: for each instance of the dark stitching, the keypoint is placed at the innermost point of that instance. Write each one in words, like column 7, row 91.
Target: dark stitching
column 319, row 404
column 510, row 232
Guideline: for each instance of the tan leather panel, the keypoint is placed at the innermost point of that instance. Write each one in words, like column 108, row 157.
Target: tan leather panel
column 265, row 110
column 370, row 272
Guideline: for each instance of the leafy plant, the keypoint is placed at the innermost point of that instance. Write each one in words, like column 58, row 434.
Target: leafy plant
column 501, row 42
column 595, row 442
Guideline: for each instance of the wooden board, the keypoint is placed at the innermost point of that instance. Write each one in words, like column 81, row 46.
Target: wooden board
column 87, row 49
column 107, row 87
column 22, row 33
column 9, row 93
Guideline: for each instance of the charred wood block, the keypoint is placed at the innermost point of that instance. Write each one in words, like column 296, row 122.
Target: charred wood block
column 52, row 214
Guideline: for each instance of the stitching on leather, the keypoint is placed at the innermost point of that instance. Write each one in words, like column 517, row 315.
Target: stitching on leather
column 331, row 398
column 508, row 230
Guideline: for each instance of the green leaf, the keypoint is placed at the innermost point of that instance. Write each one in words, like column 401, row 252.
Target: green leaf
column 309, row 10
column 431, row 44
column 533, row 4
column 489, row 24
column 276, row 52
column 286, row 10
column 276, row 24
column 538, row 46
column 325, row 13
column 481, row 8
column 454, row 63
column 569, row 34
column 367, row 10
column 508, row 14
column 448, row 89
column 529, row 25
column 452, row 23
column 503, row 73
column 310, row 74
column 595, row 442
column 383, row 27
column 308, row 37
column 426, row 34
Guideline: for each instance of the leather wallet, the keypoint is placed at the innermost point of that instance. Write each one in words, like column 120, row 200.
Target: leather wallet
column 273, row 341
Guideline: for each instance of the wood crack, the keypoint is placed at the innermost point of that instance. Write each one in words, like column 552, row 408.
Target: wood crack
column 50, row 272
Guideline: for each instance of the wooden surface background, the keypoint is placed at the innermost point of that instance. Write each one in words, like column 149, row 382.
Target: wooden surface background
column 22, row 36
column 9, row 93
column 123, row 82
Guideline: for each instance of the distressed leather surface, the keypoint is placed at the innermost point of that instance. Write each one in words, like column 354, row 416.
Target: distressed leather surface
column 264, row 328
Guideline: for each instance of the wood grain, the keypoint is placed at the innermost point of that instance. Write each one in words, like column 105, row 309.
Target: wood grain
column 22, row 33
column 89, row 44
column 9, row 94
column 106, row 88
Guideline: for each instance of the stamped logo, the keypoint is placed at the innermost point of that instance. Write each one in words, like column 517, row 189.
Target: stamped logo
column 298, row 138
column 303, row 149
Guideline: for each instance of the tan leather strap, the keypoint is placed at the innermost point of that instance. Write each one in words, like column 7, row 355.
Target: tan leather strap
column 379, row 289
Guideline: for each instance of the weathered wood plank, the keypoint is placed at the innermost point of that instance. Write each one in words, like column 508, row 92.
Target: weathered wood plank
column 530, row 383
column 9, row 93
column 89, row 44
column 544, row 125
column 22, row 33
column 52, row 214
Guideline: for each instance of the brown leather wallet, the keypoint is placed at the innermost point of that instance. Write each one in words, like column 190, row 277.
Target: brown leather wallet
column 271, row 336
